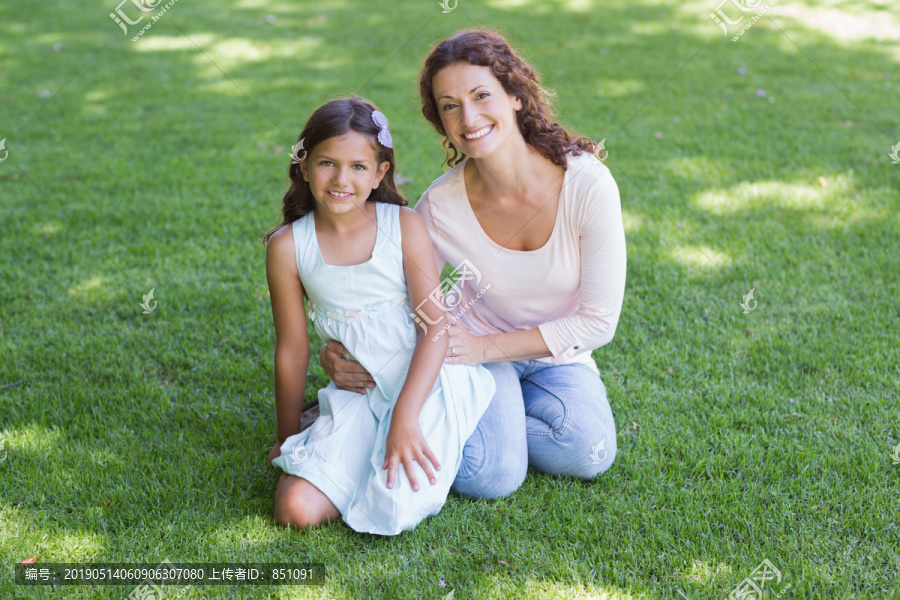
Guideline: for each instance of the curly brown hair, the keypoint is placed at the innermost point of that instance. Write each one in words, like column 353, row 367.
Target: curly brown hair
column 334, row 119
column 536, row 121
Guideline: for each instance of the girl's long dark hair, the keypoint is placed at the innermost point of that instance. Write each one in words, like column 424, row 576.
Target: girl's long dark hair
column 485, row 48
column 334, row 119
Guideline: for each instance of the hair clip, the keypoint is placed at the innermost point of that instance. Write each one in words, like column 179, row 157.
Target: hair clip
column 384, row 135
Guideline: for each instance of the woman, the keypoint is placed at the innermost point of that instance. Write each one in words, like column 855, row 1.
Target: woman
column 534, row 221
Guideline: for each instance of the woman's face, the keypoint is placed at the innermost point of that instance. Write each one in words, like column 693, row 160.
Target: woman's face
column 477, row 113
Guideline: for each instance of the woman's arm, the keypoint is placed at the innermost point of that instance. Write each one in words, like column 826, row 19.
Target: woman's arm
column 405, row 442
column 600, row 294
column 468, row 349
column 291, row 336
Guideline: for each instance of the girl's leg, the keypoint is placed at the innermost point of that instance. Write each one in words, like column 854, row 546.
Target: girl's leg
column 300, row 504
column 495, row 458
column 570, row 425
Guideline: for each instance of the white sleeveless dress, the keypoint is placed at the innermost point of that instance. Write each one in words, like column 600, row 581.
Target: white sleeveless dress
column 366, row 308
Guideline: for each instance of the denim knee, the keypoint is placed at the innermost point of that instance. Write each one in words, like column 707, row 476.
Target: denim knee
column 495, row 457
column 571, row 430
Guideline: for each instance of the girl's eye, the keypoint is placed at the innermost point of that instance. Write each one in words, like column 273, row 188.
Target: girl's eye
column 325, row 163
column 481, row 95
column 361, row 167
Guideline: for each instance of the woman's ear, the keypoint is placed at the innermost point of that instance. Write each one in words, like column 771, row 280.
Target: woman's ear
column 304, row 168
column 382, row 171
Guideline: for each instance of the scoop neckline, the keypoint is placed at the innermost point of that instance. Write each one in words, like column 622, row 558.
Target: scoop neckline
column 483, row 233
column 370, row 259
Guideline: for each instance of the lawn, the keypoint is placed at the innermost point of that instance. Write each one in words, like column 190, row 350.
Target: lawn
column 744, row 437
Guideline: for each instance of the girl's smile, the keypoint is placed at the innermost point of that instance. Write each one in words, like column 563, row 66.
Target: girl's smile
column 342, row 172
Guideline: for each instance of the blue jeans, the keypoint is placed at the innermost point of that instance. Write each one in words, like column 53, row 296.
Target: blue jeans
column 555, row 418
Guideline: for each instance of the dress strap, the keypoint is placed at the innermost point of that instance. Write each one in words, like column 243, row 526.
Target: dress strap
column 305, row 243
column 390, row 240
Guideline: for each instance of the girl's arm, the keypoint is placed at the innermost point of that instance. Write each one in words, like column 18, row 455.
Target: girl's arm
column 405, row 442
column 291, row 335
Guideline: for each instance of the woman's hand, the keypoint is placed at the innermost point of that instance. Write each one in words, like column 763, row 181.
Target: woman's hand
column 276, row 452
column 464, row 348
column 346, row 374
column 405, row 445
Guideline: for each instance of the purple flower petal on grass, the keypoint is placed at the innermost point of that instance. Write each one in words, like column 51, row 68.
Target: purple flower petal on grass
column 761, row 93
column 742, row 71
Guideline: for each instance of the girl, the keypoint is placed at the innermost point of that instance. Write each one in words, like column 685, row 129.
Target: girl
column 361, row 260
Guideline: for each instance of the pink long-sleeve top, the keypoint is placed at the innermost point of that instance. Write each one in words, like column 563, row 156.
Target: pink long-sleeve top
column 571, row 288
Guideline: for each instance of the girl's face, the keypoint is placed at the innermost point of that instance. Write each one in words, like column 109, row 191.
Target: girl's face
column 477, row 113
column 342, row 171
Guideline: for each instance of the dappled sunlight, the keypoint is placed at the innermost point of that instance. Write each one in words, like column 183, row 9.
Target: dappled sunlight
column 31, row 438
column 843, row 25
column 233, row 535
column 497, row 585
column 703, row 257
column 632, row 221
column 756, row 195
column 622, row 87
column 48, row 228
column 158, row 42
column 46, row 545
column 88, row 286
column 511, row 3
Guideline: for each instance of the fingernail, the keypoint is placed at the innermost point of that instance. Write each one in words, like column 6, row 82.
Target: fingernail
column 433, row 481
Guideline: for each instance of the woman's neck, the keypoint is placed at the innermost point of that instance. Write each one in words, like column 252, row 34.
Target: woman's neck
column 515, row 171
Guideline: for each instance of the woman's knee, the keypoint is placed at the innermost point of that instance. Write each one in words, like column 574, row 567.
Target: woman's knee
column 496, row 478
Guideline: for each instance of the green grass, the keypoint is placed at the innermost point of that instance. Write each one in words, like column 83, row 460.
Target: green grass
column 159, row 164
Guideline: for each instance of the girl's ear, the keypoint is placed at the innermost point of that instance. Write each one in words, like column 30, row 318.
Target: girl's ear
column 304, row 168
column 382, row 171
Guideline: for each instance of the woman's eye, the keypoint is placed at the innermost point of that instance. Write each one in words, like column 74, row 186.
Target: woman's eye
column 448, row 106
column 481, row 95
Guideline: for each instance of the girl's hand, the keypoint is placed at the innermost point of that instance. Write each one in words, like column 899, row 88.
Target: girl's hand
column 405, row 444
column 276, row 452
column 346, row 374
column 463, row 347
